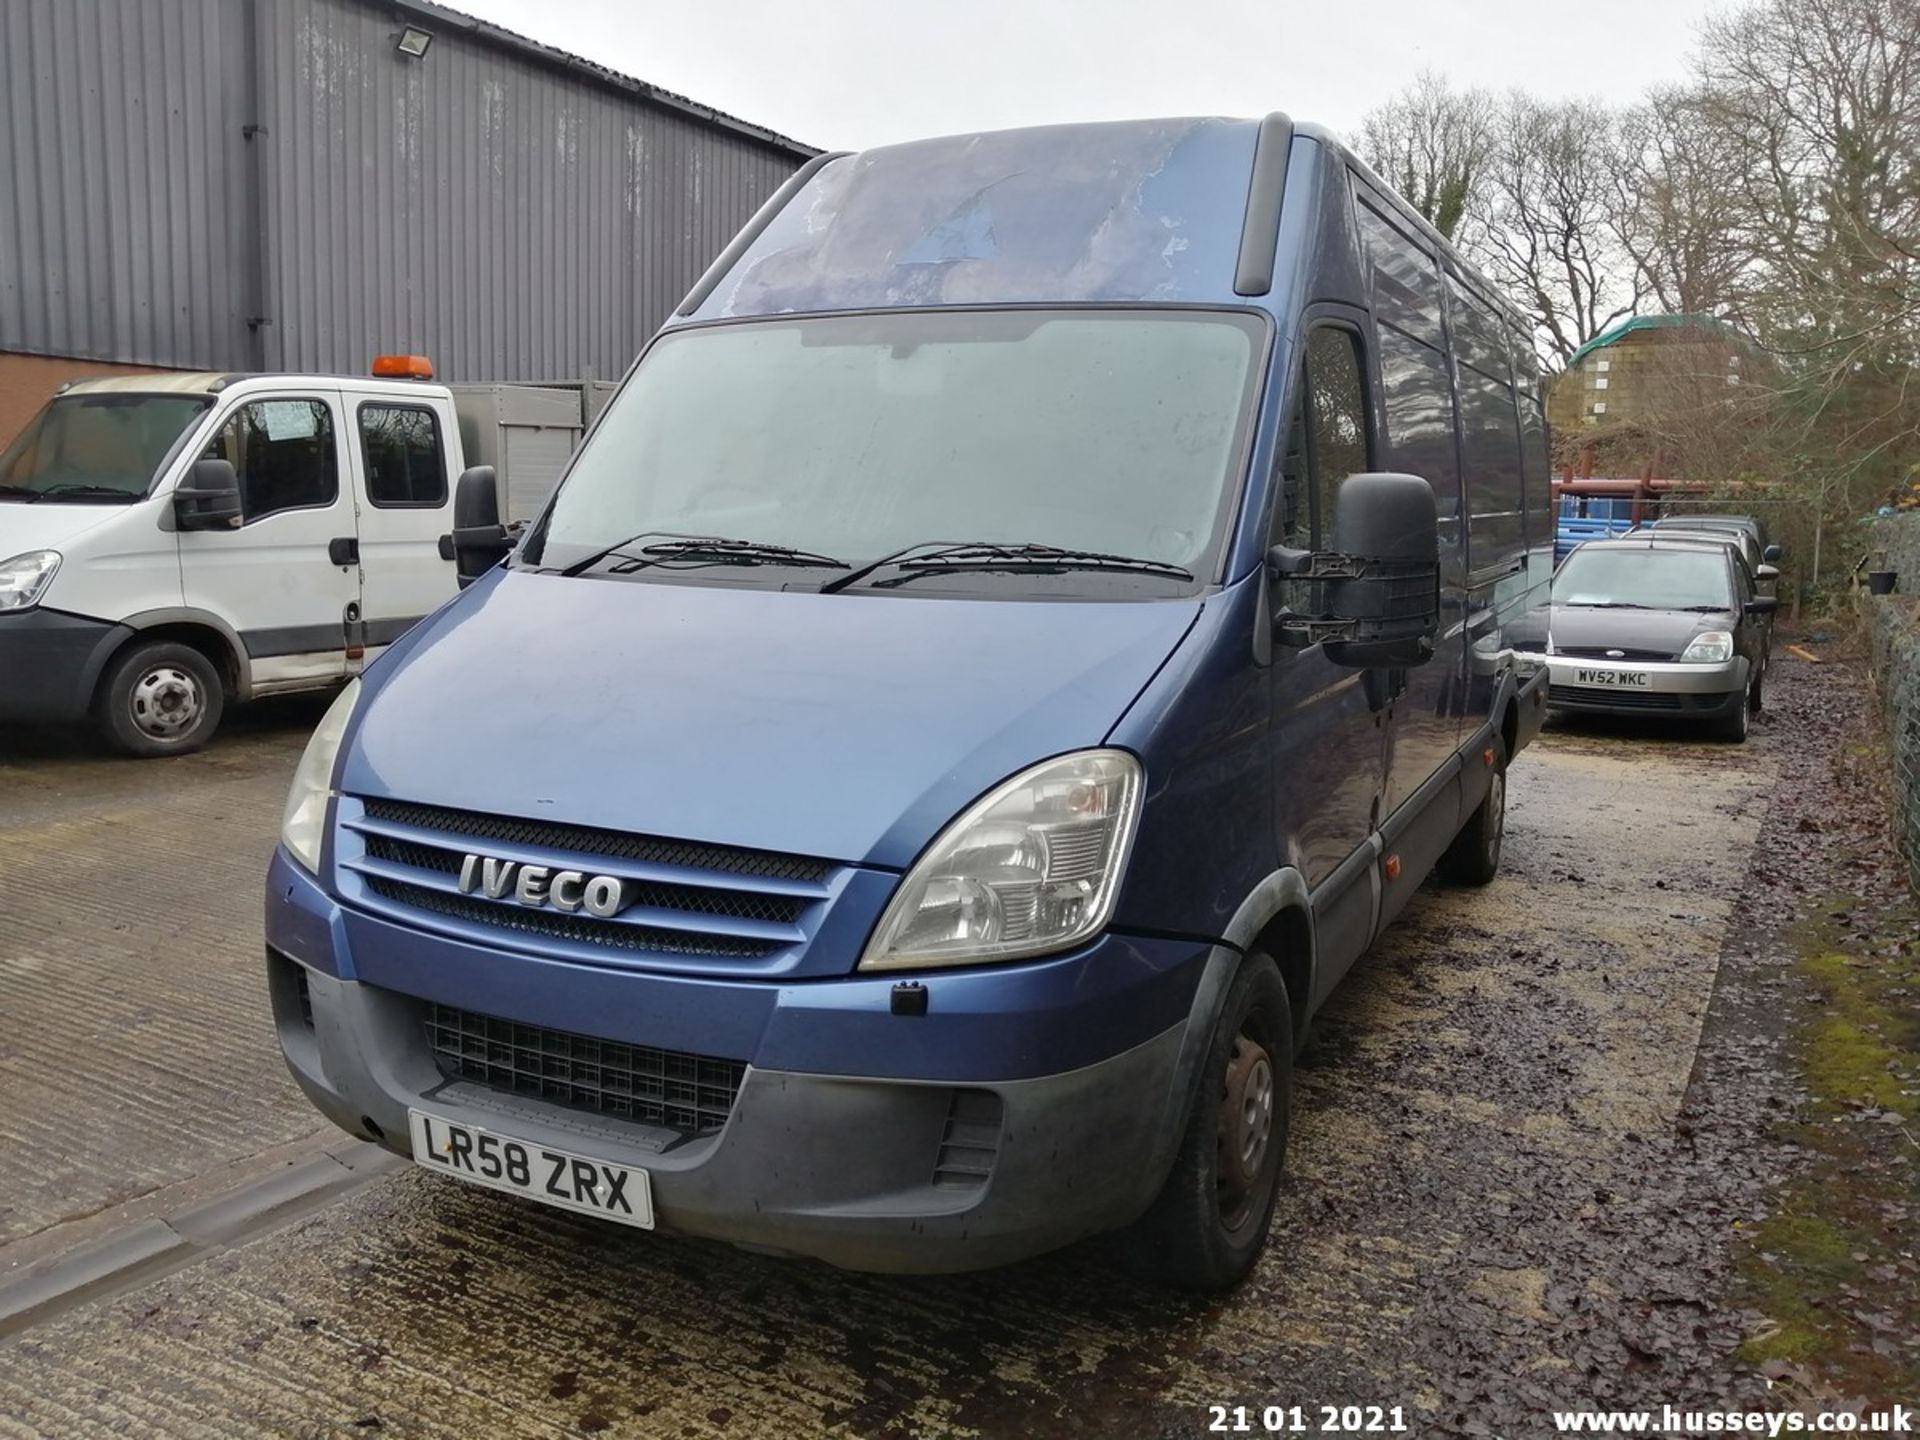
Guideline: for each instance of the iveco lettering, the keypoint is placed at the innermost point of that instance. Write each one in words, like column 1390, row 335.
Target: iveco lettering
column 1029, row 621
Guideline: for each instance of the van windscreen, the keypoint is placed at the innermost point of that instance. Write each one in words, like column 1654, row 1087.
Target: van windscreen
column 852, row 437
column 96, row 448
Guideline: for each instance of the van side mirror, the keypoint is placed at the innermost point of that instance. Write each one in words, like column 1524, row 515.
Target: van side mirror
column 479, row 539
column 1773, row 554
column 1762, row 605
column 208, row 498
column 1767, row 572
column 1373, row 600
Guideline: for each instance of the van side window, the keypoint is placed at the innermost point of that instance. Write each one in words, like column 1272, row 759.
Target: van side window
column 1406, row 285
column 1326, row 441
column 1490, row 443
column 400, row 446
column 1417, row 401
column 283, row 452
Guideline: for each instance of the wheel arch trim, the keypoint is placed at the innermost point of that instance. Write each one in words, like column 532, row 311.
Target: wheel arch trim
column 1283, row 891
column 236, row 653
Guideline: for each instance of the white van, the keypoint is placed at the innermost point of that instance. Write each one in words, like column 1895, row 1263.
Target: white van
column 172, row 542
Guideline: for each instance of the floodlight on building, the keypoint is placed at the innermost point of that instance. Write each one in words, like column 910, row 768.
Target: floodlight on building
column 412, row 42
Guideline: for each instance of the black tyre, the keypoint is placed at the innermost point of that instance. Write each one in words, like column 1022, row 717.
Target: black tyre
column 1206, row 1228
column 1732, row 727
column 1754, row 699
column 159, row 699
column 1474, row 856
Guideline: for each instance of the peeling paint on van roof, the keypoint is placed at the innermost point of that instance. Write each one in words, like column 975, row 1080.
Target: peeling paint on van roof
column 1129, row 211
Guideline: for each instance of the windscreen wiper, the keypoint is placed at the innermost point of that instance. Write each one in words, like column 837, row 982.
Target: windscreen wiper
column 1605, row 605
column 917, row 562
column 76, row 490
column 18, row 490
column 700, row 550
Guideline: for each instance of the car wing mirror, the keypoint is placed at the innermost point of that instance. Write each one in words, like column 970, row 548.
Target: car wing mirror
column 1373, row 599
column 479, row 541
column 1767, row 572
column 1762, row 605
column 208, row 498
column 1772, row 553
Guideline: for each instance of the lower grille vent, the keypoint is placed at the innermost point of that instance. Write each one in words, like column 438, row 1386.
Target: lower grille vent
column 972, row 1140
column 693, row 1094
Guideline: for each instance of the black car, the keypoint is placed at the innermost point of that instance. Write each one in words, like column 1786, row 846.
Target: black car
column 1647, row 625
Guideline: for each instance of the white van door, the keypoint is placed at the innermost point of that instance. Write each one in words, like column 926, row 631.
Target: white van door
column 404, row 495
column 285, row 579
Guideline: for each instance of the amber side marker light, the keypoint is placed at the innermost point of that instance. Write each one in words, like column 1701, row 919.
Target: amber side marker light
column 1392, row 867
column 402, row 367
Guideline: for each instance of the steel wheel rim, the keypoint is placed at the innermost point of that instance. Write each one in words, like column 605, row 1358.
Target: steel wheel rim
column 1246, row 1119
column 165, row 702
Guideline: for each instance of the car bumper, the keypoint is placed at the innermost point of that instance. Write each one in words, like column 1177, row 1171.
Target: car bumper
column 856, row 1136
column 1626, row 687
column 50, row 662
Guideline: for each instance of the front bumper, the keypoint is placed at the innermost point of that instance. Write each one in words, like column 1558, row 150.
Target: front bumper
column 1032, row 1105
column 1630, row 687
column 50, row 662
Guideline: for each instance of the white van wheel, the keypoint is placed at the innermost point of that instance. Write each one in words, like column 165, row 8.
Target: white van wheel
column 160, row 699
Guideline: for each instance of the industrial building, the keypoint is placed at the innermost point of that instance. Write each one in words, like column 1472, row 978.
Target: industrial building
column 301, row 184
column 1646, row 367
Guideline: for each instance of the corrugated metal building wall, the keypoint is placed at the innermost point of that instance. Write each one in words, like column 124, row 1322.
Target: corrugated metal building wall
column 238, row 184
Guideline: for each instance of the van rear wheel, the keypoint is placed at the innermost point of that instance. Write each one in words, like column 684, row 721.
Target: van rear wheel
column 1206, row 1228
column 161, row 698
column 1474, row 856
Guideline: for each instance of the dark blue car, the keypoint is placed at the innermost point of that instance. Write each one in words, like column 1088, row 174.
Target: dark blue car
column 1014, row 640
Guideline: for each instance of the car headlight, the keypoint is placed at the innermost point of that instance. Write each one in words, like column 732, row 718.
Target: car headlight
column 1709, row 646
column 24, row 578
column 304, row 824
column 1032, row 866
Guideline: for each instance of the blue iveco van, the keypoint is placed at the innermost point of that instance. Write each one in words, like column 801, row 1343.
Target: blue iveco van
column 1012, row 642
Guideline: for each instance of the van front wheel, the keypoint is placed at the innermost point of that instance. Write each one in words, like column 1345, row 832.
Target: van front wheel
column 1205, row 1230
column 160, row 699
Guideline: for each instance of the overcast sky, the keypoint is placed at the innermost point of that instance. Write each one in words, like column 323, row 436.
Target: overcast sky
column 844, row 74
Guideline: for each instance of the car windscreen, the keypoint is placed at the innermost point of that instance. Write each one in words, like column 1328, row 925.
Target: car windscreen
column 96, row 448
column 1645, row 578
column 853, row 437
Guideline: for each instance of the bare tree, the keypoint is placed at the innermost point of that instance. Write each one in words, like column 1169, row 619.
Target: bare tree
column 1434, row 144
column 1823, row 98
column 1674, row 207
column 1548, row 235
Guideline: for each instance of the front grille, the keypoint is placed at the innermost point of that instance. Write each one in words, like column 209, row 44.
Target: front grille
column 1611, row 698
column 742, row 904
column 691, row 855
column 557, row 926
column 1608, row 652
column 692, row 1094
column 676, row 898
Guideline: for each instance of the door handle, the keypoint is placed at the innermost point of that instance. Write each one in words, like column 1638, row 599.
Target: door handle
column 344, row 550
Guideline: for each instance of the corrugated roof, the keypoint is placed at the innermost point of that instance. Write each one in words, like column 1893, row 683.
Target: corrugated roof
column 506, row 39
column 1651, row 322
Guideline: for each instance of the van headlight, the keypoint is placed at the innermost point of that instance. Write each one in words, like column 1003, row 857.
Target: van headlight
column 1031, row 867
column 304, row 824
column 1709, row 646
column 24, row 578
